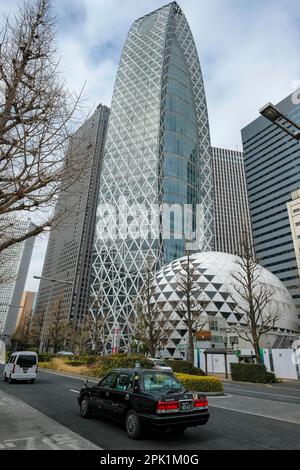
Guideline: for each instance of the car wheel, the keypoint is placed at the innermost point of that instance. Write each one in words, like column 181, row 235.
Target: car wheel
column 4, row 378
column 133, row 425
column 32, row 381
column 85, row 409
column 10, row 380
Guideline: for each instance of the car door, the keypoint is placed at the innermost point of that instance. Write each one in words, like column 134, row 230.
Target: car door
column 100, row 394
column 121, row 393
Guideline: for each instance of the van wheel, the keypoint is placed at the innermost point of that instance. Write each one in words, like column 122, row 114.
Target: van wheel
column 10, row 380
column 32, row 381
column 85, row 409
column 133, row 425
column 4, row 378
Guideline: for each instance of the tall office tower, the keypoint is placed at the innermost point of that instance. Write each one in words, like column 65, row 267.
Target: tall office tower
column 69, row 251
column 14, row 265
column 272, row 166
column 231, row 200
column 26, row 306
column 157, row 152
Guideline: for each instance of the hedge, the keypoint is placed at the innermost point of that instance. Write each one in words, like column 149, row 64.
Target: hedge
column 118, row 361
column 184, row 367
column 201, row 383
column 251, row 373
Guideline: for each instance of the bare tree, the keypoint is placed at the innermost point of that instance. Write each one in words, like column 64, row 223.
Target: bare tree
column 37, row 329
column 22, row 336
column 36, row 120
column 56, row 329
column 191, row 308
column 151, row 326
column 253, row 298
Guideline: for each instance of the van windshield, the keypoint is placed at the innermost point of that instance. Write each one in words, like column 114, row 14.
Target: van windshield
column 26, row 360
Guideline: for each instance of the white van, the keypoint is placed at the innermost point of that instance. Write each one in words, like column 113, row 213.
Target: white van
column 22, row 365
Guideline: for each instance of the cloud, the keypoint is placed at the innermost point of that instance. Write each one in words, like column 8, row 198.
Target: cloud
column 249, row 52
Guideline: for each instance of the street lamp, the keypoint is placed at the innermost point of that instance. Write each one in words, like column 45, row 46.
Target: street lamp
column 53, row 281
column 273, row 114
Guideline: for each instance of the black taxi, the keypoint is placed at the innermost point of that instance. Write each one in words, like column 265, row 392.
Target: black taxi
column 143, row 398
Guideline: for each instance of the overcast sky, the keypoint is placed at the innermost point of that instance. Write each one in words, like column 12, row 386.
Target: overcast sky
column 249, row 54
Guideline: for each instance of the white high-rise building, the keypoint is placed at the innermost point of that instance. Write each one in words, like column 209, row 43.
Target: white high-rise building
column 14, row 265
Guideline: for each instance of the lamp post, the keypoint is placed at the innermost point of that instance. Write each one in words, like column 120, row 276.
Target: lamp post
column 273, row 114
column 53, row 281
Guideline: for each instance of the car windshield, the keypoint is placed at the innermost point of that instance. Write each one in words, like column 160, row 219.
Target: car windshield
column 158, row 381
column 26, row 360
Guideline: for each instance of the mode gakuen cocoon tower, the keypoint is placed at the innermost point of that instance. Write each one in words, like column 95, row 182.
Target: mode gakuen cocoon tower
column 157, row 153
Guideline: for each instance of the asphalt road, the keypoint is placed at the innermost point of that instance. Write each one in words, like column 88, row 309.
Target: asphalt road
column 56, row 397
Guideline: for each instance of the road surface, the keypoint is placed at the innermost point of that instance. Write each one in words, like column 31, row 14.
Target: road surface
column 249, row 417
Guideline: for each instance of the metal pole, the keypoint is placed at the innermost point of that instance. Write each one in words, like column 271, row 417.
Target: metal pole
column 45, row 320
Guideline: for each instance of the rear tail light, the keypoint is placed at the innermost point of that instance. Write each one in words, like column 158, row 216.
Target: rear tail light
column 201, row 403
column 14, row 368
column 167, row 406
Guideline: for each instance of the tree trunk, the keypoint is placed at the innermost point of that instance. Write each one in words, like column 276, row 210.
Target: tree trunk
column 257, row 351
column 191, row 345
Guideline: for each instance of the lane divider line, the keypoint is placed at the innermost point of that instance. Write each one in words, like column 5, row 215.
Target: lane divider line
column 256, row 414
column 262, row 393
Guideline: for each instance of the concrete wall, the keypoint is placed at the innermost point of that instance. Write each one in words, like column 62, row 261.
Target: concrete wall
column 280, row 361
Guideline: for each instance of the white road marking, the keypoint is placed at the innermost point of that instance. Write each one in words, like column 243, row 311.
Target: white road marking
column 256, row 414
column 262, row 393
column 74, row 391
column 226, row 395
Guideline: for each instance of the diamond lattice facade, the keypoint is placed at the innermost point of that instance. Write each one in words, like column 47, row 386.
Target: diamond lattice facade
column 157, row 153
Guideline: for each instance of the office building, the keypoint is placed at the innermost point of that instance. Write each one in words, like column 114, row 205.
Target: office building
column 157, row 154
column 231, row 211
column 14, row 267
column 272, row 167
column 69, row 251
column 26, row 306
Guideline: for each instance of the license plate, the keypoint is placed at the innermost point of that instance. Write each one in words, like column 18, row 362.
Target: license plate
column 25, row 370
column 186, row 405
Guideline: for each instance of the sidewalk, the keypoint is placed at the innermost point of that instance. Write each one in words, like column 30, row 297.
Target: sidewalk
column 24, row 428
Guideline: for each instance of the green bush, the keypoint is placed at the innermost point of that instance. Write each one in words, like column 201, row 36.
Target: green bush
column 184, row 367
column 45, row 357
column 118, row 361
column 198, row 383
column 251, row 373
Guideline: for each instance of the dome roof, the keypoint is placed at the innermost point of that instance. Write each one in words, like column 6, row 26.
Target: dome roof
column 214, row 270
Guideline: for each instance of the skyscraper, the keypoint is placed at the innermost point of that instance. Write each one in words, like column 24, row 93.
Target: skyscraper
column 69, row 251
column 232, row 213
column 272, row 166
column 157, row 154
column 13, row 273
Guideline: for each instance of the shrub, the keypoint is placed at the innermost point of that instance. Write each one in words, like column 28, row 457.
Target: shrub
column 185, row 367
column 200, row 383
column 75, row 362
column 117, row 361
column 45, row 357
column 251, row 373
